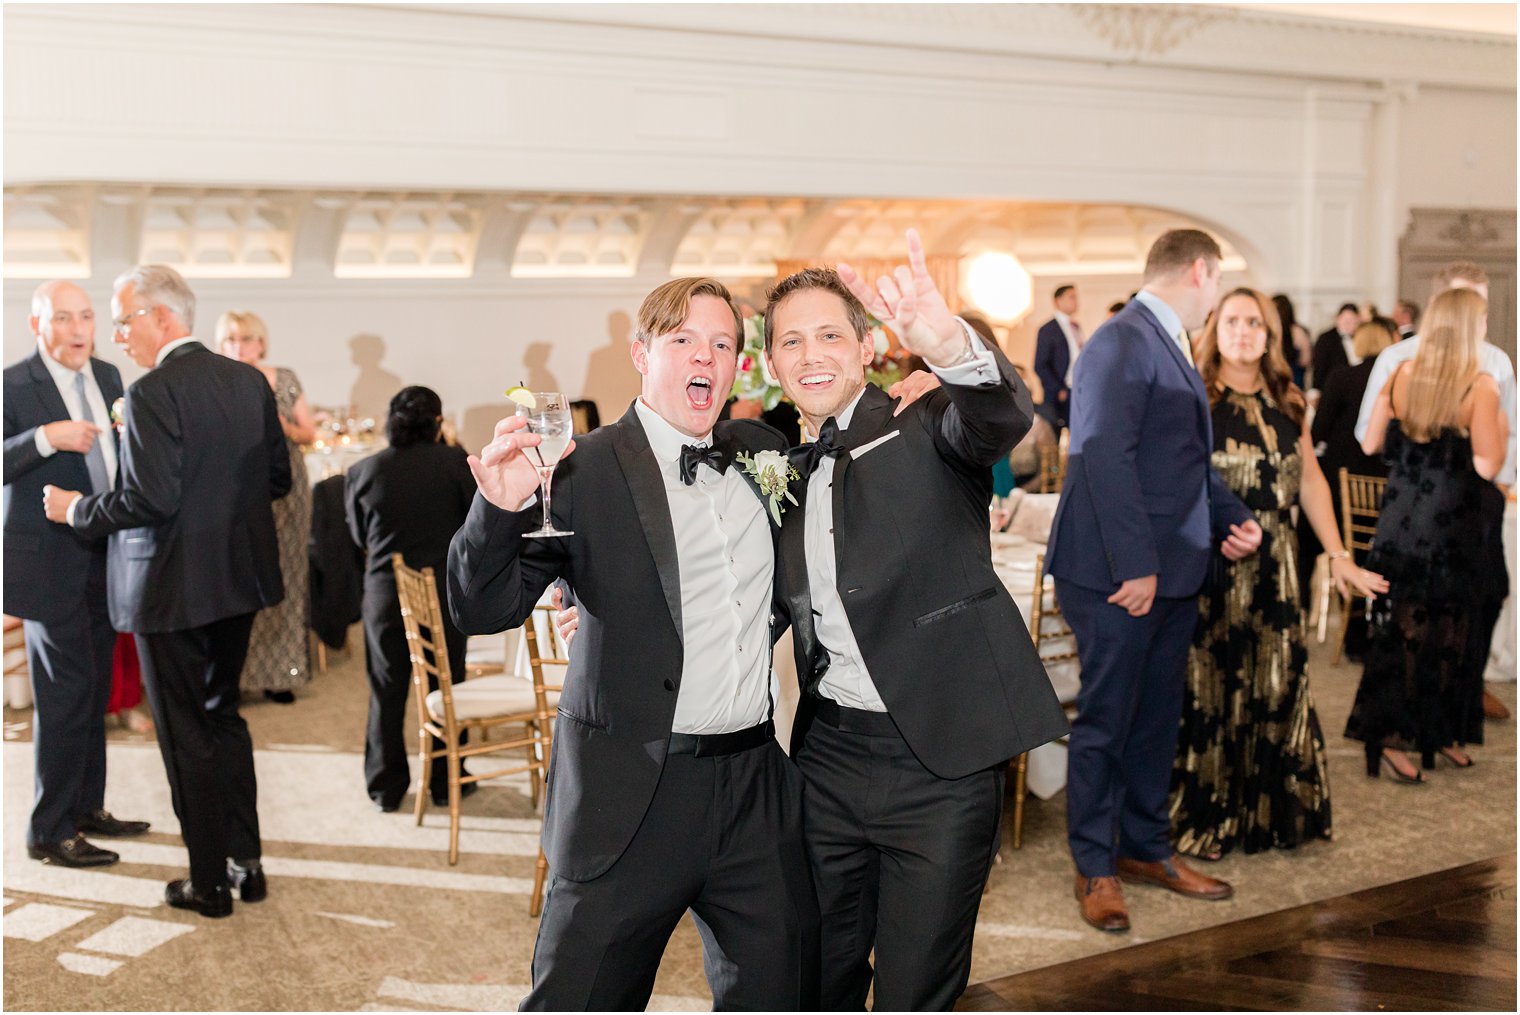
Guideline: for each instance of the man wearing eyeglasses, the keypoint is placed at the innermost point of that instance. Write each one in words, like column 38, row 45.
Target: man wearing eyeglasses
column 193, row 557
column 57, row 430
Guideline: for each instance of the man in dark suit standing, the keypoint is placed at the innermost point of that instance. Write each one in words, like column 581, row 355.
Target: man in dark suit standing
column 667, row 789
column 919, row 679
column 192, row 559
column 1406, row 318
column 1334, row 347
column 1056, row 346
column 58, row 430
column 1129, row 548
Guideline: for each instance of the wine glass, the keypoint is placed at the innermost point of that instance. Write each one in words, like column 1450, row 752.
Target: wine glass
column 549, row 417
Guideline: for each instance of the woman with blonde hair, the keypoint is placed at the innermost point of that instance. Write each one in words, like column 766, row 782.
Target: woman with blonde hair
column 277, row 652
column 1442, row 432
column 1250, row 769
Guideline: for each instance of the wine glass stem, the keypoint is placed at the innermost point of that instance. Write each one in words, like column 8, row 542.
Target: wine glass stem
column 545, row 478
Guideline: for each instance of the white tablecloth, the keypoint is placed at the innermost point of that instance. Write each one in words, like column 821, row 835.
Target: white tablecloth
column 331, row 461
column 1501, row 653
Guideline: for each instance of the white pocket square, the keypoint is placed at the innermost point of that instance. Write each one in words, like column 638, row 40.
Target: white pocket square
column 878, row 442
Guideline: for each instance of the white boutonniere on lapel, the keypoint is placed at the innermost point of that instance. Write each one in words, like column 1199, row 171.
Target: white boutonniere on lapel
column 772, row 473
column 119, row 414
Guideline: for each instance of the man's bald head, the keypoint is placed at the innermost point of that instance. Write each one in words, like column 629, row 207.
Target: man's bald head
column 64, row 322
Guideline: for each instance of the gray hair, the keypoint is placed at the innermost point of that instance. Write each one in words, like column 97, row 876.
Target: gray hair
column 160, row 285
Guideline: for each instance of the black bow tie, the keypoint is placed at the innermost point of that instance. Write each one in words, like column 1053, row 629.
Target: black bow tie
column 693, row 455
column 830, row 442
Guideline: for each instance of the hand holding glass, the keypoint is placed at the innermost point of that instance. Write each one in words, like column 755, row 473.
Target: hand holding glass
column 549, row 418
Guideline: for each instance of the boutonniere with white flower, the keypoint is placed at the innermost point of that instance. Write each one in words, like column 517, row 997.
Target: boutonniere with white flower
column 118, row 413
column 772, row 473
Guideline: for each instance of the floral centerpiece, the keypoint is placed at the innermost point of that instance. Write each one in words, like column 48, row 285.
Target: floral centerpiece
column 754, row 381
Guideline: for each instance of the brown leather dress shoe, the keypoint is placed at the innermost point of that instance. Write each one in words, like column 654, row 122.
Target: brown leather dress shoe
column 1102, row 903
column 1493, row 708
column 1175, row 875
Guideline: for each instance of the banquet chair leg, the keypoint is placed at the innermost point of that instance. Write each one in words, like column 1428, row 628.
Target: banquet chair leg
column 532, row 748
column 540, row 873
column 454, row 794
column 1020, row 790
column 321, row 656
column 422, row 774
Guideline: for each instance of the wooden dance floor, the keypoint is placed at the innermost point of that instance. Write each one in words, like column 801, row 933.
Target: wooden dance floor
column 1443, row 942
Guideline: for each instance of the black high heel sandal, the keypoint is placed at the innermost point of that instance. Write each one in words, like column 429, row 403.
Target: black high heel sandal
column 1444, row 752
column 1377, row 761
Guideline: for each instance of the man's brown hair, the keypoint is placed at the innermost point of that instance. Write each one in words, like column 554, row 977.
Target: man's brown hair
column 826, row 279
column 1176, row 249
column 1467, row 271
column 667, row 308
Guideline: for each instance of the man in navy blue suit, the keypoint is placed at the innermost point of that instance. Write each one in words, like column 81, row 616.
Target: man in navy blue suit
column 58, row 431
column 1056, row 346
column 1138, row 518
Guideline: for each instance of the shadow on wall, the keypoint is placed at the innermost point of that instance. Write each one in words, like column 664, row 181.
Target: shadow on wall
column 536, row 366
column 611, row 380
column 374, row 387
column 477, row 424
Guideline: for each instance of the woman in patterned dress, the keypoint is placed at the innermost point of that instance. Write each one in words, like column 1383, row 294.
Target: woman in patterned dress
column 277, row 651
column 1250, row 770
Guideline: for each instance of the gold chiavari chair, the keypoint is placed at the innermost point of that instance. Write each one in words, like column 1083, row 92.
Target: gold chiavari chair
column 473, row 706
column 537, row 660
column 1055, row 643
column 1361, row 501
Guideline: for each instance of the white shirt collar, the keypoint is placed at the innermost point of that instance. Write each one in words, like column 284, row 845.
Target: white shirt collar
column 1171, row 321
column 842, row 419
column 166, row 350
column 1064, row 319
column 664, row 440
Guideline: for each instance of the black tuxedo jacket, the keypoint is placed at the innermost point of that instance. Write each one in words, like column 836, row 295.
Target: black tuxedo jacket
column 1329, row 354
column 620, row 691
column 45, row 564
column 192, row 532
column 944, row 643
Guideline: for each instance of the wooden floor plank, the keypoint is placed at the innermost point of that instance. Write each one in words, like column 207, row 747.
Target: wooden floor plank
column 1429, row 955
column 1464, row 992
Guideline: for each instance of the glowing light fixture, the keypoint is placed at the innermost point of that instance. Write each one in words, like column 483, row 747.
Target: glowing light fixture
column 997, row 285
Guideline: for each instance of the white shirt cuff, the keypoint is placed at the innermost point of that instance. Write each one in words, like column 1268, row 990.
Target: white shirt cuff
column 69, row 517
column 978, row 372
column 44, row 446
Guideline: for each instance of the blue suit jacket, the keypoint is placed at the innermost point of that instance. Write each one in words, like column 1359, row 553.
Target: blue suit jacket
column 1140, row 496
column 1051, row 358
column 46, row 565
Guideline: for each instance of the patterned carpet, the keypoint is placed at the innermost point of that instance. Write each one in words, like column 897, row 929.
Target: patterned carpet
column 364, row 912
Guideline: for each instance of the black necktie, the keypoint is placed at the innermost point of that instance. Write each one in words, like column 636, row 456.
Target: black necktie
column 693, row 455
column 830, row 442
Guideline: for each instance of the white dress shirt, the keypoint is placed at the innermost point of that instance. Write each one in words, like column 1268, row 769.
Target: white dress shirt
column 1491, row 360
column 64, row 378
column 1171, row 321
column 727, row 562
column 1073, row 346
column 1348, row 343
column 846, row 680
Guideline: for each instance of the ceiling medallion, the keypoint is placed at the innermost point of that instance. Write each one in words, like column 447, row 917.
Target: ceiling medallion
column 1146, row 29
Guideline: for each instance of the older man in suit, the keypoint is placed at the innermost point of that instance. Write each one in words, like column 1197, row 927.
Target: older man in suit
column 1056, row 346
column 1129, row 547
column 919, row 681
column 58, row 431
column 192, row 558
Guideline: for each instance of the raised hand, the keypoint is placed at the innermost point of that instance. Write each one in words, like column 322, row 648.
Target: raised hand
column 505, row 476
column 910, row 304
column 911, row 388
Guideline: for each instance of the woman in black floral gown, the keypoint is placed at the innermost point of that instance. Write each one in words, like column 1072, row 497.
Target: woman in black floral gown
column 1250, row 770
column 1441, row 431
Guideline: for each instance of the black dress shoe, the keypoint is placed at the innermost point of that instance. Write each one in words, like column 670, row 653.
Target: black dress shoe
column 281, row 697
column 75, row 852
column 212, row 902
column 442, row 799
column 247, row 876
column 103, row 823
column 387, row 806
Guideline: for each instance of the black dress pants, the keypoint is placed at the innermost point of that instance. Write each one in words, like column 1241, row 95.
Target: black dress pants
column 191, row 678
column 900, row 858
column 723, row 838
column 388, row 665
column 70, row 661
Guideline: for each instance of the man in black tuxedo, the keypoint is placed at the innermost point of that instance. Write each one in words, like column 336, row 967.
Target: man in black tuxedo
column 1333, row 348
column 919, row 678
column 1056, row 346
column 667, row 789
column 192, row 559
column 58, row 430
column 1406, row 318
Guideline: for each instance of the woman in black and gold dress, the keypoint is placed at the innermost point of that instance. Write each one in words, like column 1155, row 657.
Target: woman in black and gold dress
column 1250, row 769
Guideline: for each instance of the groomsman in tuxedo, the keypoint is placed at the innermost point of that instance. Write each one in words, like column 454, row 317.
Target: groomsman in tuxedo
column 58, row 430
column 919, row 679
column 1056, row 346
column 192, row 559
column 1140, row 512
column 667, row 789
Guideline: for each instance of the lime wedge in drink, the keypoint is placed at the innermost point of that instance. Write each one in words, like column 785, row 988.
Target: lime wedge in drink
column 523, row 397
